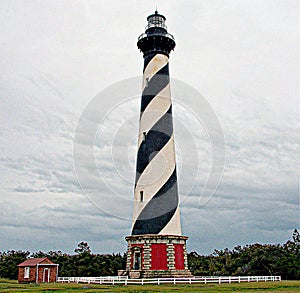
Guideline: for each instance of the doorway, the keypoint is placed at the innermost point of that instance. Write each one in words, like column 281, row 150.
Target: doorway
column 137, row 260
column 46, row 276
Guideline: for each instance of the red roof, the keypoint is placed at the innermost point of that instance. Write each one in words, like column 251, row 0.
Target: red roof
column 31, row 262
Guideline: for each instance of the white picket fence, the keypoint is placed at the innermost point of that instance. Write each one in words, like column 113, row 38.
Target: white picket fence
column 121, row 280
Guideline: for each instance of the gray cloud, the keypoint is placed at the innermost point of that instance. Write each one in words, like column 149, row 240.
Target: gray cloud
column 242, row 56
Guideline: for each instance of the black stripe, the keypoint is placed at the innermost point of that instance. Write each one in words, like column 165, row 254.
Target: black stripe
column 156, row 84
column 160, row 209
column 156, row 138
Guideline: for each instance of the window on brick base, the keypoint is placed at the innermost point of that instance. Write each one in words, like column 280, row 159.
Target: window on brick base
column 26, row 272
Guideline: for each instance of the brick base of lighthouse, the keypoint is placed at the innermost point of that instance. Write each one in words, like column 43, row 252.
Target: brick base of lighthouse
column 156, row 256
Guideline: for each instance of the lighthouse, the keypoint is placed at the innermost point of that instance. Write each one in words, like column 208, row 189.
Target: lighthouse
column 156, row 247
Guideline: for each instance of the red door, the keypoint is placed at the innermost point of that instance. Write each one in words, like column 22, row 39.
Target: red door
column 159, row 256
column 46, row 276
column 179, row 256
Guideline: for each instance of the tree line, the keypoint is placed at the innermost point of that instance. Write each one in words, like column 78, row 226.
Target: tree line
column 83, row 263
column 254, row 259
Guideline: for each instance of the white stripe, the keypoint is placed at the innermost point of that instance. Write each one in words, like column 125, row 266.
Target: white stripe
column 154, row 111
column 155, row 175
column 173, row 227
column 156, row 64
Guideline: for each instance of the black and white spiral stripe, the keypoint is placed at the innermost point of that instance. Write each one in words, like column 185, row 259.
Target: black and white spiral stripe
column 156, row 195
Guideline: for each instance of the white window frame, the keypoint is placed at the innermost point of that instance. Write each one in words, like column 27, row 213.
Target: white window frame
column 26, row 272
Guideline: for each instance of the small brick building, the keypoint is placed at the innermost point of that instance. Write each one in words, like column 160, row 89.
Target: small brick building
column 37, row 270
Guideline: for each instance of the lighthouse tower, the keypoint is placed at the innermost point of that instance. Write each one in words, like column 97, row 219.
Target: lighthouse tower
column 156, row 247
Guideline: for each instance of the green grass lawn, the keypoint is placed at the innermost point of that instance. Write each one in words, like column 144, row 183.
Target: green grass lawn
column 270, row 287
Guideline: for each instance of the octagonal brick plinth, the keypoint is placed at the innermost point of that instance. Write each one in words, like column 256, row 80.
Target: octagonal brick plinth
column 154, row 256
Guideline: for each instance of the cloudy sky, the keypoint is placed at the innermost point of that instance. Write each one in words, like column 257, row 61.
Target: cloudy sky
column 64, row 75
